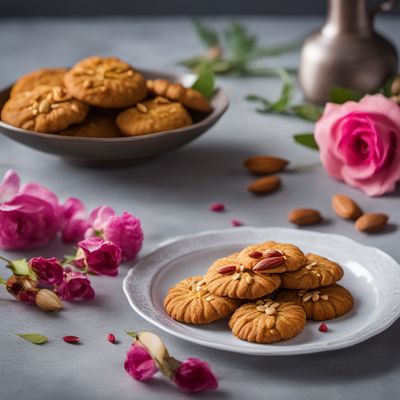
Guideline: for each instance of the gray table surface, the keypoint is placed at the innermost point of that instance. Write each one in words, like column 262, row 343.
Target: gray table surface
column 171, row 195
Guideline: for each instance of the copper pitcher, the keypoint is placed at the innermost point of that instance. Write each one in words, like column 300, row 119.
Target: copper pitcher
column 347, row 52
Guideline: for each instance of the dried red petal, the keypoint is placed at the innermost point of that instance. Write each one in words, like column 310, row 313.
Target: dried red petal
column 255, row 254
column 71, row 339
column 227, row 269
column 111, row 338
column 323, row 327
column 236, row 222
column 217, row 207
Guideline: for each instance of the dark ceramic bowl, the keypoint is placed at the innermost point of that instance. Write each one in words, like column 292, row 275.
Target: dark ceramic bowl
column 124, row 149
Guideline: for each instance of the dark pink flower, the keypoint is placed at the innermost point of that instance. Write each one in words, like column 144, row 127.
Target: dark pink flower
column 29, row 216
column 75, row 286
column 75, row 223
column 139, row 363
column 99, row 256
column 236, row 222
column 195, row 375
column 125, row 230
column 48, row 270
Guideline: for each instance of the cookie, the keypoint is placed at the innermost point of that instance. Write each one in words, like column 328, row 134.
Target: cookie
column 189, row 301
column 320, row 304
column 44, row 109
column 227, row 277
column 190, row 98
column 151, row 116
column 106, row 82
column 272, row 257
column 316, row 272
column 43, row 76
column 267, row 321
column 94, row 126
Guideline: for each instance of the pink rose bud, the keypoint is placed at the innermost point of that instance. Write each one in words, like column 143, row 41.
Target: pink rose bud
column 359, row 143
column 124, row 230
column 29, row 216
column 236, row 222
column 75, row 223
column 48, row 270
column 22, row 288
column 99, row 256
column 74, row 287
column 194, row 375
column 139, row 364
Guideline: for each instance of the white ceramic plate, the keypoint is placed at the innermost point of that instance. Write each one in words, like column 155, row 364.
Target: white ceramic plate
column 372, row 276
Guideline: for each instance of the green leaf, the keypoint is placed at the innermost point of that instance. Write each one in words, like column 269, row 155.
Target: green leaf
column 205, row 82
column 306, row 139
column 265, row 102
column 386, row 89
column 34, row 338
column 21, row 267
column 340, row 95
column 2, row 281
column 133, row 334
column 286, row 93
column 238, row 41
column 208, row 36
column 309, row 112
column 276, row 50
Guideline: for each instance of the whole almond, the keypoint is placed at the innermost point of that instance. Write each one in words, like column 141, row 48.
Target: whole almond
column 304, row 216
column 345, row 207
column 371, row 222
column 264, row 165
column 265, row 185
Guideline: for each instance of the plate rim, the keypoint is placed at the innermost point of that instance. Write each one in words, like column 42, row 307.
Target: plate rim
column 278, row 351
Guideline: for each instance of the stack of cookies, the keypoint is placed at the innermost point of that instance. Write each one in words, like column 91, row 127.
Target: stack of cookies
column 269, row 290
column 101, row 97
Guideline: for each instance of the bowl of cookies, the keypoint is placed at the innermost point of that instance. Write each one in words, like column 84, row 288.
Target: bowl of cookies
column 102, row 110
column 266, row 291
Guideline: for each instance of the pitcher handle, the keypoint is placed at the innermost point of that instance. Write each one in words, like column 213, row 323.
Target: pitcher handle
column 384, row 7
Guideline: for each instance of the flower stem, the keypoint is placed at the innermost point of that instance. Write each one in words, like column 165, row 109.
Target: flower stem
column 5, row 259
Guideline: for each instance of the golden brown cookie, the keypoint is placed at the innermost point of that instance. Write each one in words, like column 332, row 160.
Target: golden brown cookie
column 43, row 76
column 45, row 109
column 94, row 126
column 320, row 304
column 267, row 321
column 190, row 98
column 106, row 82
column 151, row 116
column 272, row 257
column 189, row 301
column 316, row 272
column 227, row 277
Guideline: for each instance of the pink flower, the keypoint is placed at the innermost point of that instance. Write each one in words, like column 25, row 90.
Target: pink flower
column 75, row 223
column 195, row 375
column 29, row 216
column 360, row 143
column 75, row 286
column 99, row 256
column 48, row 270
column 125, row 230
column 139, row 363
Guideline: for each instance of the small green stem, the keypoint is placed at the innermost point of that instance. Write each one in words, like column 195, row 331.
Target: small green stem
column 5, row 259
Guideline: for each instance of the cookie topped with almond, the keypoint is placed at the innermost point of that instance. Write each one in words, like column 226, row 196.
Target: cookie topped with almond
column 272, row 257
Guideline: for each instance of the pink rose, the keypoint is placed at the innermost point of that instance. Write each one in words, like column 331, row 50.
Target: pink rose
column 195, row 375
column 139, row 363
column 48, row 270
column 99, row 256
column 29, row 216
column 125, row 230
column 360, row 143
column 75, row 286
column 75, row 223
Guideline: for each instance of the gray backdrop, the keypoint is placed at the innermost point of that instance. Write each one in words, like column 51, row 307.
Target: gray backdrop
column 164, row 7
